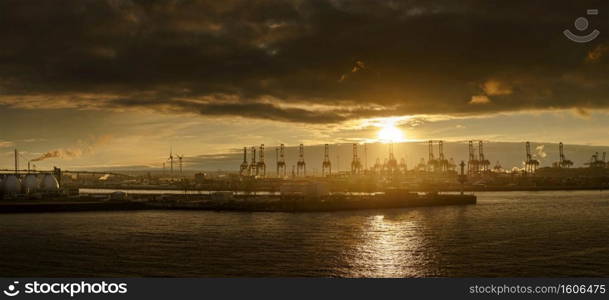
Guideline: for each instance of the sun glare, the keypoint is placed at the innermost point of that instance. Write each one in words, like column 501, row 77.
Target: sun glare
column 389, row 132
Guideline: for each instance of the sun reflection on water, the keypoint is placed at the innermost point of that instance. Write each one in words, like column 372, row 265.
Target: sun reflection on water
column 391, row 248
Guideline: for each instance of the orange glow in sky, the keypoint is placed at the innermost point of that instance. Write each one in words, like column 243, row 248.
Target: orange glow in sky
column 389, row 132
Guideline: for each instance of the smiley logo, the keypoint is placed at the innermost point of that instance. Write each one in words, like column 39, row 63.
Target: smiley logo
column 12, row 290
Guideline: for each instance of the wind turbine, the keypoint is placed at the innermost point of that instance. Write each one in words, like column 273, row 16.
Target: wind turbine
column 170, row 161
column 180, row 157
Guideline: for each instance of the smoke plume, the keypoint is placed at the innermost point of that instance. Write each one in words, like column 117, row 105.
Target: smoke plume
column 540, row 151
column 82, row 148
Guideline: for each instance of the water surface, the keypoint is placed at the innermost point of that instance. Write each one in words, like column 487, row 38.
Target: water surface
column 505, row 234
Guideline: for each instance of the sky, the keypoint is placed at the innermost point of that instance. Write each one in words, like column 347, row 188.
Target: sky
column 115, row 83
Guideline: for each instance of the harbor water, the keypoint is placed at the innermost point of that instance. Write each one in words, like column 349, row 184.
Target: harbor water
column 516, row 234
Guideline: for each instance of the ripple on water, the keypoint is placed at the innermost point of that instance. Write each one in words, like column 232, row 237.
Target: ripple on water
column 506, row 234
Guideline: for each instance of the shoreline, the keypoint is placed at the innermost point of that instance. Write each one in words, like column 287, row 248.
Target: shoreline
column 243, row 204
column 176, row 191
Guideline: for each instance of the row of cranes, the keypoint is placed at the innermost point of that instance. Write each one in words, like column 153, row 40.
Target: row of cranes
column 597, row 162
column 256, row 166
column 479, row 164
column 440, row 164
column 531, row 164
column 433, row 164
column 390, row 165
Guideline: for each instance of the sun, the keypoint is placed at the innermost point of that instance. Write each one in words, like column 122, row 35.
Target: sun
column 389, row 132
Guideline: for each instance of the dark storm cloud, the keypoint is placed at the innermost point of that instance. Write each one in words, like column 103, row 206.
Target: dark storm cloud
column 317, row 61
column 243, row 109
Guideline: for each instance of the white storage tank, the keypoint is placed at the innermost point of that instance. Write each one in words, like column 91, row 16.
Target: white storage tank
column 30, row 184
column 49, row 184
column 12, row 185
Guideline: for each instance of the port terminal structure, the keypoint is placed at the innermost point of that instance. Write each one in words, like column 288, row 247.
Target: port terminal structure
column 438, row 172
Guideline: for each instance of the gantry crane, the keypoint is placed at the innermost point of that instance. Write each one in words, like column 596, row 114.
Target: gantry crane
column 563, row 162
column 432, row 163
column 472, row 163
column 280, row 158
column 326, row 165
column 443, row 163
column 483, row 163
column 403, row 166
column 253, row 165
column 530, row 165
column 356, row 164
column 261, row 165
column 391, row 164
column 596, row 161
column 244, row 168
column 301, row 166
